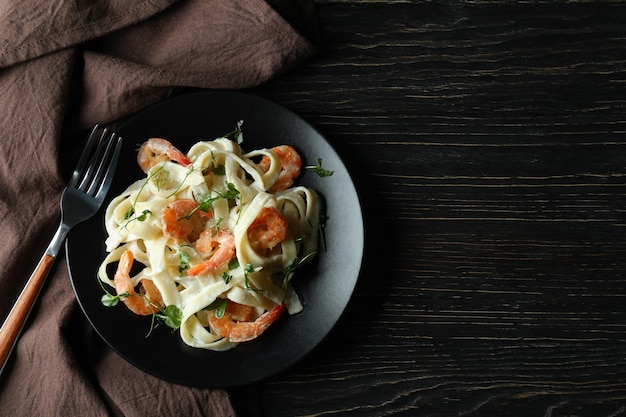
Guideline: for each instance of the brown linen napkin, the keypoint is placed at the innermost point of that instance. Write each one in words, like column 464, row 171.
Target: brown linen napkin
column 65, row 65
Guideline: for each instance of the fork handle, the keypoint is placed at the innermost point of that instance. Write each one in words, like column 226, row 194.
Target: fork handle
column 18, row 315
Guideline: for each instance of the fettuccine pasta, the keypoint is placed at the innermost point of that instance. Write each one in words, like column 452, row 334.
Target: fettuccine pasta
column 217, row 233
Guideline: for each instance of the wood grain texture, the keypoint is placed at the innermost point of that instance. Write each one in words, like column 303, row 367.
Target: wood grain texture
column 488, row 144
column 17, row 317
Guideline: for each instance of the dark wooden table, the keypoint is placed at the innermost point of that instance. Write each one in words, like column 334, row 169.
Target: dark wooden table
column 488, row 143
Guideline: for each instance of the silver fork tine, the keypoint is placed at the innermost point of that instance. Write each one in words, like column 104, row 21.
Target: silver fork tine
column 108, row 174
column 99, row 165
column 80, row 166
column 96, row 157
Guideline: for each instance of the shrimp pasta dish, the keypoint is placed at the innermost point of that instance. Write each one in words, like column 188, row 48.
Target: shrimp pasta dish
column 214, row 235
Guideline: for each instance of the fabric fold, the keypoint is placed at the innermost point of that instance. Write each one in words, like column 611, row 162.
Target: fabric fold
column 34, row 28
column 137, row 66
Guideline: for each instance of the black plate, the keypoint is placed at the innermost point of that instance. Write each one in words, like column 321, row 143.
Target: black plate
column 325, row 286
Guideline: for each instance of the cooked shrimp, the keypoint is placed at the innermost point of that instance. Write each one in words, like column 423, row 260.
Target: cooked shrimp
column 148, row 301
column 268, row 229
column 230, row 326
column 290, row 169
column 156, row 150
column 219, row 246
column 240, row 312
column 178, row 218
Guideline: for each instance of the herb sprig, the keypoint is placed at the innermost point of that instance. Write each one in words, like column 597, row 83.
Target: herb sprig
column 218, row 307
column 247, row 270
column 183, row 263
column 322, row 172
column 290, row 269
column 207, row 200
column 237, row 134
column 169, row 315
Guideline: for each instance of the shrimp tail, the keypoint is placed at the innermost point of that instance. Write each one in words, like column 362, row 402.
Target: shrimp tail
column 246, row 331
column 156, row 150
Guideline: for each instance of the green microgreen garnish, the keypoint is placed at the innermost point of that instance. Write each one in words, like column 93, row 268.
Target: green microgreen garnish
column 160, row 178
column 110, row 300
column 226, row 277
column 184, row 261
column 187, row 174
column 246, row 271
column 207, row 200
column 128, row 216
column 233, row 263
column 170, row 315
column 290, row 269
column 319, row 170
column 216, row 169
column 237, row 134
column 131, row 212
column 218, row 306
column 219, row 169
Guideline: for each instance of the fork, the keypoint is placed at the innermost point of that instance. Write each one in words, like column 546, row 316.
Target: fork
column 81, row 199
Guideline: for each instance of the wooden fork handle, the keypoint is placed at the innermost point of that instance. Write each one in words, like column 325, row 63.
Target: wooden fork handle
column 12, row 327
